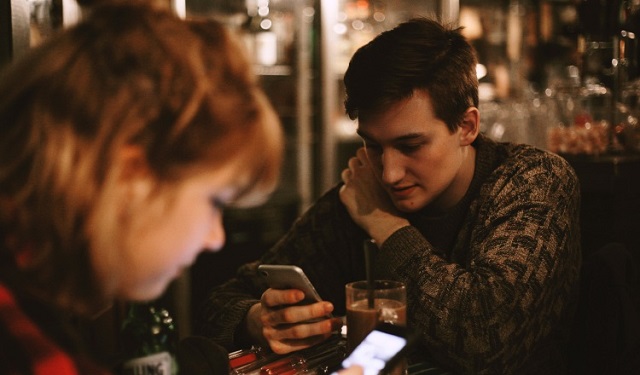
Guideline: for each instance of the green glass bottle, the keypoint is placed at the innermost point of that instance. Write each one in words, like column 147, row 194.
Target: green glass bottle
column 149, row 341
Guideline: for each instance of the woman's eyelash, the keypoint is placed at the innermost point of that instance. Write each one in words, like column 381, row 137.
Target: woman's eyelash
column 218, row 203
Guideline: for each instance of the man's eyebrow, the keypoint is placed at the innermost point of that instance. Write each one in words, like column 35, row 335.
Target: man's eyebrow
column 405, row 137
column 410, row 136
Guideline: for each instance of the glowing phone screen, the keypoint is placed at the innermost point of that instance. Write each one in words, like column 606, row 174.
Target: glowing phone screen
column 375, row 351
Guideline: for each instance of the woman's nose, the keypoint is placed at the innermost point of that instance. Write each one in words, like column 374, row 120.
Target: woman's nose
column 216, row 237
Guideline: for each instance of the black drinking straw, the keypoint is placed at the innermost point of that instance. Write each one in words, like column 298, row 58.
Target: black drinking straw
column 369, row 247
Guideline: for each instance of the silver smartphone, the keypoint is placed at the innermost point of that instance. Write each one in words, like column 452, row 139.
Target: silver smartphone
column 284, row 276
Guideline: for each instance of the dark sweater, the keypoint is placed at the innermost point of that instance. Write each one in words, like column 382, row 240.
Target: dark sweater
column 491, row 284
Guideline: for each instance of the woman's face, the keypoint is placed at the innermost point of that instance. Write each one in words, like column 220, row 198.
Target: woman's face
column 165, row 233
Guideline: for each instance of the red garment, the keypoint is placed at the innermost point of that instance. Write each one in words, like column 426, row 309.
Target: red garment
column 36, row 352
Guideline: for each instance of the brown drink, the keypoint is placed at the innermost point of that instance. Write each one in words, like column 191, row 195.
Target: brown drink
column 361, row 319
column 389, row 305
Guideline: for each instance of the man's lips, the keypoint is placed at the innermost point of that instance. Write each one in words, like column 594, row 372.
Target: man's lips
column 402, row 192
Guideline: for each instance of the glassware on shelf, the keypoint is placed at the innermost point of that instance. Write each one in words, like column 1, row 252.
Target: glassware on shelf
column 585, row 115
column 506, row 120
column 626, row 132
column 269, row 33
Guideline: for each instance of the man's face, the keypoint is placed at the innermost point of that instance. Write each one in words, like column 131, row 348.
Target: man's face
column 418, row 161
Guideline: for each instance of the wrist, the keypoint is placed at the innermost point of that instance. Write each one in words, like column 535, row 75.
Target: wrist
column 380, row 233
column 252, row 327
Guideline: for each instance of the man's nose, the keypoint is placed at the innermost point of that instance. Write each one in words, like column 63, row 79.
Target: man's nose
column 392, row 167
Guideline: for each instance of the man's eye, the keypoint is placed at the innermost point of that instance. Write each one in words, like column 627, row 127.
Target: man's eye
column 410, row 147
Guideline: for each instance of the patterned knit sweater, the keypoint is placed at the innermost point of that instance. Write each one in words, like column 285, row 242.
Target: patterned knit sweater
column 491, row 285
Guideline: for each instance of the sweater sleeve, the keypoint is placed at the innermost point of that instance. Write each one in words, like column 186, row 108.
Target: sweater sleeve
column 324, row 242
column 226, row 307
column 492, row 310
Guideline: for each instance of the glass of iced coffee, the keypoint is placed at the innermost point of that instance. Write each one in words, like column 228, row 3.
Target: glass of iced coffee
column 368, row 305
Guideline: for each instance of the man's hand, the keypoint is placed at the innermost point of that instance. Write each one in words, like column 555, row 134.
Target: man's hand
column 286, row 328
column 367, row 202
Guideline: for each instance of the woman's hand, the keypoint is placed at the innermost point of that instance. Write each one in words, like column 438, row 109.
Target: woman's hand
column 353, row 370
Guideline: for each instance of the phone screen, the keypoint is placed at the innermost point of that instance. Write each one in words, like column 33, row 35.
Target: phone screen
column 375, row 351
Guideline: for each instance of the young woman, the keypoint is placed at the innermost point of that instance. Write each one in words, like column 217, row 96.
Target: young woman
column 121, row 141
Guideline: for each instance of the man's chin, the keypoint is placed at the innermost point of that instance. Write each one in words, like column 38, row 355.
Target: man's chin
column 407, row 206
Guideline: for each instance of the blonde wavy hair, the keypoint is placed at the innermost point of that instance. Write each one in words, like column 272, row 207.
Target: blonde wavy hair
column 129, row 74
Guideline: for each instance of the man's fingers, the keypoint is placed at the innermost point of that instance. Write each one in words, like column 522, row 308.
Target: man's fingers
column 295, row 314
column 346, row 175
column 299, row 334
column 288, row 346
column 278, row 297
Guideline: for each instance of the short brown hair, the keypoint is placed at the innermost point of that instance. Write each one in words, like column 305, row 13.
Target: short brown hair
column 418, row 54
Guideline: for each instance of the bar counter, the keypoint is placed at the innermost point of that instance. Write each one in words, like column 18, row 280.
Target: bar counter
column 323, row 358
column 610, row 208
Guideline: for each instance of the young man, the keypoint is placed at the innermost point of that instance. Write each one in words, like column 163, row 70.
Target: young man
column 485, row 235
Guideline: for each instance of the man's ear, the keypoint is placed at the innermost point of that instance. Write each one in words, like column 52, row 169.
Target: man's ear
column 470, row 126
